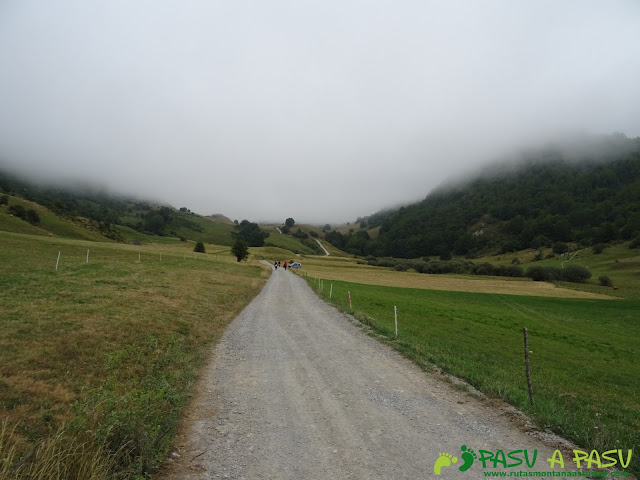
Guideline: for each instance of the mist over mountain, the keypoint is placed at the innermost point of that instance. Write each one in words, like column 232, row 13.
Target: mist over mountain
column 322, row 111
column 582, row 193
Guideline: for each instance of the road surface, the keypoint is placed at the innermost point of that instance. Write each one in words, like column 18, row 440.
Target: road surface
column 297, row 390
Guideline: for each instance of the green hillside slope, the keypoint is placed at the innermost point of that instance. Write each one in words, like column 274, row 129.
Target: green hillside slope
column 546, row 197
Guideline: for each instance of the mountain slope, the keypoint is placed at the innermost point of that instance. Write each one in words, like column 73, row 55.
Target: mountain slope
column 549, row 196
column 96, row 215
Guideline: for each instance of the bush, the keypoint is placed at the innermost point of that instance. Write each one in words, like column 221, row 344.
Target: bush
column 483, row 269
column 575, row 274
column 598, row 248
column 543, row 274
column 635, row 243
column 605, row 281
column 572, row 273
column 199, row 248
column 4, row 200
column 18, row 211
column 508, row 271
column 32, row 216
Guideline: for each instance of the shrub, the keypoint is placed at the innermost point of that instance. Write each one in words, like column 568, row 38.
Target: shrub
column 635, row 243
column 32, row 216
column 199, row 248
column 605, row 281
column 18, row 211
column 419, row 266
column 598, row 248
column 4, row 200
column 508, row 271
column 575, row 273
column 543, row 274
column 483, row 269
column 572, row 273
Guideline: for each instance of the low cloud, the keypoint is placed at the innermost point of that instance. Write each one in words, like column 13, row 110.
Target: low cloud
column 321, row 111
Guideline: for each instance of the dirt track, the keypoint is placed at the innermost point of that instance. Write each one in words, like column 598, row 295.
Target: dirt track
column 297, row 391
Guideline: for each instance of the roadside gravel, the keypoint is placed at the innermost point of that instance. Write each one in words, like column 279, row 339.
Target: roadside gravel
column 296, row 390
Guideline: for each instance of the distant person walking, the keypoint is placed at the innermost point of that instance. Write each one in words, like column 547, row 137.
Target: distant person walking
column 285, row 266
column 275, row 265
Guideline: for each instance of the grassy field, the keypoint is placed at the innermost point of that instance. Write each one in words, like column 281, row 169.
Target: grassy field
column 353, row 270
column 287, row 242
column 584, row 356
column 102, row 356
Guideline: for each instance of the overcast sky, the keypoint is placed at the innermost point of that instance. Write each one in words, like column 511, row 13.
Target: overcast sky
column 318, row 110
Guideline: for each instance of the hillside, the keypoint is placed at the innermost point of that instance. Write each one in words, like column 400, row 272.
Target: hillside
column 586, row 196
column 95, row 215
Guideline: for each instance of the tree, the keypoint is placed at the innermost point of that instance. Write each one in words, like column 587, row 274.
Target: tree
column 251, row 233
column 199, row 248
column 240, row 250
column 154, row 223
column 32, row 216
column 289, row 222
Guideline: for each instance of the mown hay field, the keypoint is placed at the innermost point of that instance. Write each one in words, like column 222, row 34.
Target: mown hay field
column 351, row 270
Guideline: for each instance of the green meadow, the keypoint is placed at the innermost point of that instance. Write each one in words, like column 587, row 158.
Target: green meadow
column 584, row 352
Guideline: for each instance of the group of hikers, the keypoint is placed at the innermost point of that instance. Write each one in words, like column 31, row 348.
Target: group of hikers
column 276, row 264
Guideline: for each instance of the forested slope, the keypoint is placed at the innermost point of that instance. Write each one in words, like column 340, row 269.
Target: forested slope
column 543, row 197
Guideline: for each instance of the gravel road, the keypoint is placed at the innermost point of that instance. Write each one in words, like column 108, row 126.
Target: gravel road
column 297, row 390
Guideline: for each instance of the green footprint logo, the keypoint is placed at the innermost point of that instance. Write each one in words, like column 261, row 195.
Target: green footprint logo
column 444, row 460
column 468, row 456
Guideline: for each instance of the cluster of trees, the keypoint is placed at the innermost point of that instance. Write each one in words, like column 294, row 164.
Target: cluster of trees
column 29, row 215
column 548, row 198
column 570, row 273
column 163, row 221
column 250, row 233
column 355, row 242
